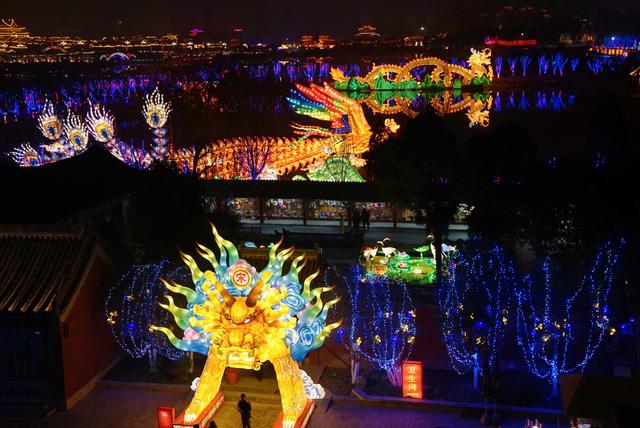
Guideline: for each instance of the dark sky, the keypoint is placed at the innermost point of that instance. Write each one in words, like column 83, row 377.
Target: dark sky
column 277, row 18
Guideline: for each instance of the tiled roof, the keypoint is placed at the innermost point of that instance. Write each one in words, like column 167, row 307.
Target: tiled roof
column 41, row 266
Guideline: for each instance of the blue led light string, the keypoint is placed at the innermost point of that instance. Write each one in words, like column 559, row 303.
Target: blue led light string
column 382, row 319
column 132, row 307
column 549, row 341
column 474, row 304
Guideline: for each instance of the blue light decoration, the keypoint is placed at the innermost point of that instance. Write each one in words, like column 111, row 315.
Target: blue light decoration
column 354, row 70
column 541, row 101
column 292, row 72
column 558, row 62
column 132, row 307
column 595, row 65
column 543, row 65
column 323, row 72
column 525, row 62
column 309, row 70
column 498, row 66
column 511, row 101
column 622, row 42
column 560, row 334
column 277, row 70
column 512, row 65
column 574, row 63
column 524, row 102
column 557, row 103
column 383, row 321
column 474, row 304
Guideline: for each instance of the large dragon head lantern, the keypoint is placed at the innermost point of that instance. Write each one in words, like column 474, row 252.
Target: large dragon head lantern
column 240, row 318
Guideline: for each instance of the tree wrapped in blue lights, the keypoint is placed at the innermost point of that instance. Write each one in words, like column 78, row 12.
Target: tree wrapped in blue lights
column 525, row 62
column 474, row 303
column 132, row 307
column 383, row 321
column 560, row 332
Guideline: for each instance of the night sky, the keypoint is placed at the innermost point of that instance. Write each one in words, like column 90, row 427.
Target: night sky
column 282, row 18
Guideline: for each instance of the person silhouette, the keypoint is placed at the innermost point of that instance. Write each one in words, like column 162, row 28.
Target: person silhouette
column 244, row 407
column 366, row 218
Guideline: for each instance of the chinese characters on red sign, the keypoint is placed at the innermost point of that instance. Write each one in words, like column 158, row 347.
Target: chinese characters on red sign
column 412, row 379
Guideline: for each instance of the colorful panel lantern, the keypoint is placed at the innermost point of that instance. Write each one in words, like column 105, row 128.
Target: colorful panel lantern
column 412, row 379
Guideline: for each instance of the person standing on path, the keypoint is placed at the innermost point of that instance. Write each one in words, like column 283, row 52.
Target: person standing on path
column 356, row 222
column 366, row 218
column 244, row 407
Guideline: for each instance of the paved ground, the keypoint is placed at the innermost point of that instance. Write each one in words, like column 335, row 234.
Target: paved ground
column 405, row 236
column 110, row 408
column 409, row 234
column 360, row 416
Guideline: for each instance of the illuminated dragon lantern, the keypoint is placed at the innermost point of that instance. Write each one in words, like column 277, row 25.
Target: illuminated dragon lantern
column 347, row 136
column 413, row 75
column 391, row 89
column 240, row 318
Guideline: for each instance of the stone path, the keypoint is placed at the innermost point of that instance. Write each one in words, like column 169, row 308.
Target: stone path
column 120, row 404
column 111, row 408
column 354, row 415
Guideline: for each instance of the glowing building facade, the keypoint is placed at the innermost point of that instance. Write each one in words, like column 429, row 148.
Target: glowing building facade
column 12, row 36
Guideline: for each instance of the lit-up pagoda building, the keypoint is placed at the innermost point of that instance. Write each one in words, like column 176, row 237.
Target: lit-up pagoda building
column 367, row 34
column 12, row 36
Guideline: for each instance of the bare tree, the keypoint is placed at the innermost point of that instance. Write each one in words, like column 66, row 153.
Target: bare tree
column 252, row 155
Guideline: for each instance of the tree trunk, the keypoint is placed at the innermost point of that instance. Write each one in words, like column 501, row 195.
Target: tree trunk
column 438, row 218
column 394, row 375
column 355, row 369
column 437, row 233
column 152, row 352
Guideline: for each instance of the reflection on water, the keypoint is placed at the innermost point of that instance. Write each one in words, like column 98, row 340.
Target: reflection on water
column 28, row 101
column 230, row 97
column 20, row 99
column 554, row 100
column 555, row 65
column 477, row 106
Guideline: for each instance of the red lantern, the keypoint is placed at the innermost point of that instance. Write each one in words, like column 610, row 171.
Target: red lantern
column 166, row 415
column 412, row 379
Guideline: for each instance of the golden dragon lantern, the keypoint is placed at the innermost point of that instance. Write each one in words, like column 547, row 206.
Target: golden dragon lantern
column 239, row 317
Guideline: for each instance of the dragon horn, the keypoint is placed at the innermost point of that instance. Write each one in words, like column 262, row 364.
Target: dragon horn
column 257, row 289
column 226, row 296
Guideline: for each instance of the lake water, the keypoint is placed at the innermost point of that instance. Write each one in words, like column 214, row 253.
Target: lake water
column 232, row 98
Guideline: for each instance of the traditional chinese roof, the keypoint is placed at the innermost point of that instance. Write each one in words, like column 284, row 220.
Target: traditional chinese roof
column 9, row 27
column 41, row 267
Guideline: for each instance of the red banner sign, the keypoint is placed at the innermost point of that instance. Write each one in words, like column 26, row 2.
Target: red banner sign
column 165, row 417
column 412, row 379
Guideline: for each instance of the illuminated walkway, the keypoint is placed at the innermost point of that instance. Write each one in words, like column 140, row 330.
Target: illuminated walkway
column 406, row 235
column 121, row 404
column 108, row 408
